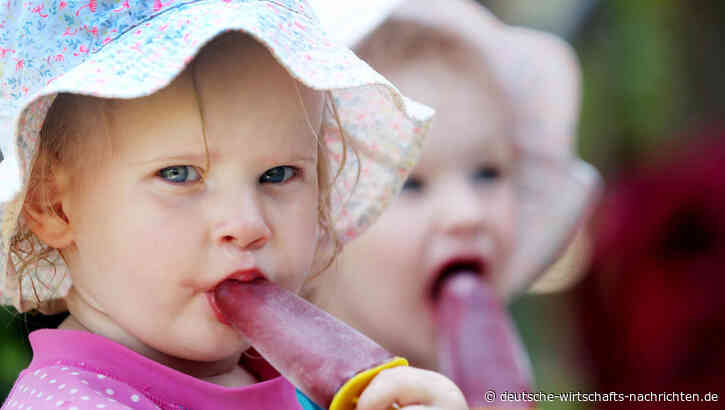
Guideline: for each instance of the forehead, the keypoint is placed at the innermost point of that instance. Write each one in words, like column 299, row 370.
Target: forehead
column 454, row 84
column 171, row 115
column 472, row 118
column 238, row 80
column 233, row 93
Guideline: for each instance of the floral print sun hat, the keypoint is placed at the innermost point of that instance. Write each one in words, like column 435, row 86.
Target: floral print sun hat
column 538, row 76
column 132, row 48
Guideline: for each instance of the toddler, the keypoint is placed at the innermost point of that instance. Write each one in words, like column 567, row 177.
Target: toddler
column 497, row 190
column 160, row 148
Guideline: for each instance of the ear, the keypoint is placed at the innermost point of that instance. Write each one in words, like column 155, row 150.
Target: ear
column 44, row 209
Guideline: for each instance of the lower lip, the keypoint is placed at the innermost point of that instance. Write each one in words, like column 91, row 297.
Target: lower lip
column 215, row 308
column 250, row 276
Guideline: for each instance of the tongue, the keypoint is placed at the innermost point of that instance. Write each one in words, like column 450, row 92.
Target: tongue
column 477, row 345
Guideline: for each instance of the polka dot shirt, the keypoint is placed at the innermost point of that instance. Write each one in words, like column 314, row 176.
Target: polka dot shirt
column 74, row 370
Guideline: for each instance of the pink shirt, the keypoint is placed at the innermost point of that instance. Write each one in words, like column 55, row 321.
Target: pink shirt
column 74, row 370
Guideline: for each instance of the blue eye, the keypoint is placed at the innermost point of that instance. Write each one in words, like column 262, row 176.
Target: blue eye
column 278, row 175
column 180, row 174
column 487, row 173
column 412, row 184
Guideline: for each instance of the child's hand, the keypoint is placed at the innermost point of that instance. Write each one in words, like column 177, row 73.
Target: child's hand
column 411, row 388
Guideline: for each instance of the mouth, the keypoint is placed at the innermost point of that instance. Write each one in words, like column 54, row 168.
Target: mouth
column 246, row 276
column 456, row 266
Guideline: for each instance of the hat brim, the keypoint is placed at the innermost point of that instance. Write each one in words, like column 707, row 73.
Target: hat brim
column 556, row 197
column 383, row 127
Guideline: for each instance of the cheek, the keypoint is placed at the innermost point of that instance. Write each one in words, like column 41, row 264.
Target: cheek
column 392, row 246
column 504, row 217
column 295, row 228
column 156, row 231
column 116, row 227
column 94, row 217
column 298, row 218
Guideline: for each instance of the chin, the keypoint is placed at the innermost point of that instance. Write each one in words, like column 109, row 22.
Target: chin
column 208, row 353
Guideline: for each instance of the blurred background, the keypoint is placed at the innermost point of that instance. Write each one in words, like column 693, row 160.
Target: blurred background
column 652, row 89
column 652, row 82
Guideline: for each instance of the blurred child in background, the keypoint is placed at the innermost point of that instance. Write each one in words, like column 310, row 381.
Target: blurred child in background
column 496, row 194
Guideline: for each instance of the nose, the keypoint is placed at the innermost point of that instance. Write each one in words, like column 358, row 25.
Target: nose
column 459, row 211
column 243, row 225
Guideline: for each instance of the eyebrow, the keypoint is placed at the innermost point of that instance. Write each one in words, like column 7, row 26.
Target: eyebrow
column 181, row 158
column 197, row 158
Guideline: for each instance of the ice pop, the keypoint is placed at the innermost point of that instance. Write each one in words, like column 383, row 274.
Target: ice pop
column 477, row 345
column 326, row 359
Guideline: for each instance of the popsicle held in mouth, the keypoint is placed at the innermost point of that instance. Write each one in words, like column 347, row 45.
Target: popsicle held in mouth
column 478, row 347
column 329, row 361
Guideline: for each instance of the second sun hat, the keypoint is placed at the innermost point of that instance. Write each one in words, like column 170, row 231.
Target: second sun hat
column 538, row 76
column 131, row 48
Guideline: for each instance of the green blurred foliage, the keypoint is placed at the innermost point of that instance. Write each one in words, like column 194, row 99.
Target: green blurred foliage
column 14, row 351
column 545, row 325
column 635, row 90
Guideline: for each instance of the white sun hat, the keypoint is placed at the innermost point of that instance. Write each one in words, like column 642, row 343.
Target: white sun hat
column 133, row 48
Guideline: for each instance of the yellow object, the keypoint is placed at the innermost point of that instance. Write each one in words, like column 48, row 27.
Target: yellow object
column 346, row 398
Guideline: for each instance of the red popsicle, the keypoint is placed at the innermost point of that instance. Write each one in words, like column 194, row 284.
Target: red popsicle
column 326, row 359
column 477, row 345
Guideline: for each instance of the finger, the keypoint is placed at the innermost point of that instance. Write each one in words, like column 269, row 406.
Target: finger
column 408, row 386
column 393, row 388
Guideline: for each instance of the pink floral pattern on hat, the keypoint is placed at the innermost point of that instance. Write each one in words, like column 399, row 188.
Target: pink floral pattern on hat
column 132, row 48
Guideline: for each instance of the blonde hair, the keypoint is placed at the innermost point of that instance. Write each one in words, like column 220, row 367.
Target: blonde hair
column 63, row 140
column 326, row 184
column 58, row 145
